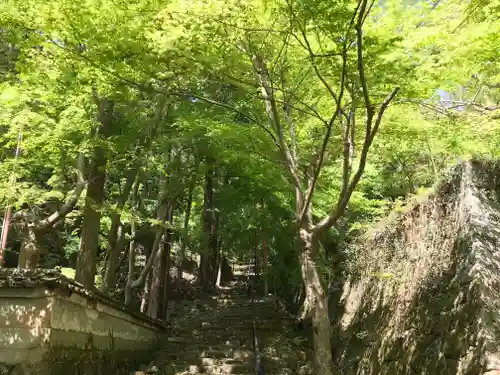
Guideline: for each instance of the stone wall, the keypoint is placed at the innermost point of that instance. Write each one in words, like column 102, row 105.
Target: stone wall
column 51, row 326
column 426, row 298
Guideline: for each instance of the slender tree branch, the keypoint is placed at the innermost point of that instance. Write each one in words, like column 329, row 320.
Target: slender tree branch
column 472, row 103
column 422, row 103
column 367, row 12
column 312, row 112
column 313, row 62
column 316, row 169
column 353, row 124
column 347, row 155
column 72, row 200
column 361, row 64
column 149, row 264
column 273, row 115
column 288, row 116
column 348, row 150
column 339, row 209
column 480, row 3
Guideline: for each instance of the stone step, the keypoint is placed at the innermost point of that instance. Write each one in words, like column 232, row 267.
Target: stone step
column 235, row 367
column 200, row 346
column 215, row 336
column 219, row 301
column 263, row 313
column 224, row 325
column 241, row 325
column 210, row 353
column 211, row 366
column 208, row 356
column 226, row 313
column 230, row 368
column 197, row 334
column 207, row 327
column 212, row 338
column 190, row 333
column 182, row 340
column 234, row 319
column 242, row 321
column 241, row 317
column 213, row 344
column 225, row 300
column 228, row 309
column 213, row 373
column 268, row 372
column 210, row 341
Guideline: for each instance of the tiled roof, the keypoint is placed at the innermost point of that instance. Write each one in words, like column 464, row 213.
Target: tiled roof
column 54, row 279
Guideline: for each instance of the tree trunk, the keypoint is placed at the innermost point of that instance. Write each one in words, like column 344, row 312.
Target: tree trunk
column 154, row 255
column 120, row 244
column 165, row 214
column 131, row 263
column 214, row 248
column 146, row 271
column 185, row 234
column 114, row 249
column 155, row 295
column 221, row 260
column 317, row 304
column 89, row 241
column 219, row 271
column 145, row 294
column 159, row 288
column 166, row 265
column 113, row 261
column 207, row 271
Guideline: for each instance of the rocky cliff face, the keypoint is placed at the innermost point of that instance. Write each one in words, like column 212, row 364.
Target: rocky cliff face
column 427, row 296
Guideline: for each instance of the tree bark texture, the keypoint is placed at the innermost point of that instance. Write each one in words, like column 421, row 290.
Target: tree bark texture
column 154, row 294
column 160, row 270
column 185, row 234
column 89, row 241
column 166, row 266
column 208, row 258
column 317, row 304
column 114, row 249
column 131, row 263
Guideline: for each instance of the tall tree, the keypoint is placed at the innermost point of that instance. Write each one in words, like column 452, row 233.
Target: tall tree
column 334, row 49
column 89, row 242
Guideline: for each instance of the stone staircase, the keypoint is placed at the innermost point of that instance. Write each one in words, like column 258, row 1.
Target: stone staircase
column 214, row 335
